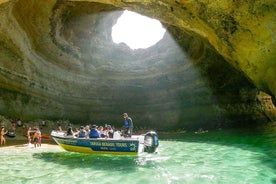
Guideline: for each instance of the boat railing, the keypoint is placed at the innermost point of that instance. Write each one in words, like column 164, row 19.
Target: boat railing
column 116, row 136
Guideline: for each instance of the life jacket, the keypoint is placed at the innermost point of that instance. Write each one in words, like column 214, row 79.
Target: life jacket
column 82, row 134
column 94, row 134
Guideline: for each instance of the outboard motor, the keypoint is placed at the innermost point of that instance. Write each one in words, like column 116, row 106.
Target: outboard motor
column 151, row 142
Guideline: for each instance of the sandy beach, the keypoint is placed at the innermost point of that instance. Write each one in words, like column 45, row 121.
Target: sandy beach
column 15, row 142
column 21, row 131
column 21, row 138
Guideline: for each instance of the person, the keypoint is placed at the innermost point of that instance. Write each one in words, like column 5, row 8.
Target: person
column 13, row 125
column 59, row 128
column 82, row 132
column 3, row 133
column 36, row 138
column 110, row 131
column 102, row 132
column 29, row 131
column 87, row 129
column 39, row 137
column 70, row 131
column 19, row 123
column 43, row 123
column 128, row 125
column 94, row 132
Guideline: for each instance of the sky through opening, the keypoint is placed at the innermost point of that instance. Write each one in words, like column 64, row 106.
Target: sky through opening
column 137, row 31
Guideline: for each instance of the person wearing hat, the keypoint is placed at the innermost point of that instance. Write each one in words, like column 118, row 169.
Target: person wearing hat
column 94, row 133
column 128, row 125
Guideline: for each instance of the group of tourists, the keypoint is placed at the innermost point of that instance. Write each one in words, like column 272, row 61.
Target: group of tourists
column 95, row 131
column 34, row 136
column 5, row 132
column 91, row 131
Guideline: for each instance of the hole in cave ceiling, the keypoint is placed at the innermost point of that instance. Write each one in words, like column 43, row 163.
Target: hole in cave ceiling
column 137, row 31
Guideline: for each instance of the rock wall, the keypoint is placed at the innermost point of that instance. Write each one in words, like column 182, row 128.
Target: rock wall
column 58, row 61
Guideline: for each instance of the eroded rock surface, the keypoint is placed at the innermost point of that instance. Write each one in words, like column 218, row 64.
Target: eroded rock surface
column 58, row 61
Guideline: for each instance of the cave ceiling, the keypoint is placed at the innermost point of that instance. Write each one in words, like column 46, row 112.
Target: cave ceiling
column 58, row 61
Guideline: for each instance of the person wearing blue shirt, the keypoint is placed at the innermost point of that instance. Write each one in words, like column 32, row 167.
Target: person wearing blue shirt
column 128, row 125
column 94, row 133
column 82, row 133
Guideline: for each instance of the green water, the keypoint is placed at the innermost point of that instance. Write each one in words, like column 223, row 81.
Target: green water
column 244, row 156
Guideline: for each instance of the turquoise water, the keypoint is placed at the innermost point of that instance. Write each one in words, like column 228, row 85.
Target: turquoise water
column 214, row 157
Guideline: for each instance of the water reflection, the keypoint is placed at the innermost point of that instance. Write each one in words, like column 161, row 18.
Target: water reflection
column 80, row 160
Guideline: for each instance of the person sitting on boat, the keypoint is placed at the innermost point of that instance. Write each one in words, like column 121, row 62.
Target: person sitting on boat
column 128, row 125
column 82, row 132
column 59, row 128
column 94, row 132
column 76, row 132
column 110, row 131
column 87, row 129
column 102, row 132
column 70, row 131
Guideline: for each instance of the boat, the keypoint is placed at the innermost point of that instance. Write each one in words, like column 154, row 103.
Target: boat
column 11, row 134
column 118, row 145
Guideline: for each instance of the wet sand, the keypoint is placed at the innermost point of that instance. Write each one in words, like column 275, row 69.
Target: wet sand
column 21, row 141
column 18, row 149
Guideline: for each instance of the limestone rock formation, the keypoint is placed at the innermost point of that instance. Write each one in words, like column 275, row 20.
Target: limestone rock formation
column 58, row 61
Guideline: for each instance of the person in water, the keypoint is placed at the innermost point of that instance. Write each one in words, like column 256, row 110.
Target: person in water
column 128, row 125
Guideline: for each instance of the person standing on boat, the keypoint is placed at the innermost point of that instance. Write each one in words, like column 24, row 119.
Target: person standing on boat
column 128, row 125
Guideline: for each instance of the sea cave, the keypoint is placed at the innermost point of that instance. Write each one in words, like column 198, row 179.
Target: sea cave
column 213, row 67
